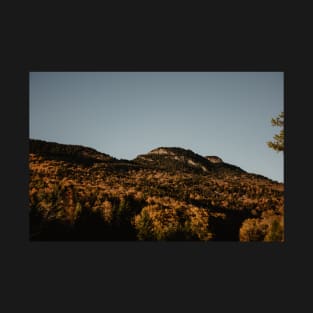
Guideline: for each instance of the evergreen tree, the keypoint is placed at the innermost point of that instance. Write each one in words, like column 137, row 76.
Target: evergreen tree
column 278, row 143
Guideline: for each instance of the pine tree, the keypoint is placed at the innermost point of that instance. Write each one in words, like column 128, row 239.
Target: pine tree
column 278, row 143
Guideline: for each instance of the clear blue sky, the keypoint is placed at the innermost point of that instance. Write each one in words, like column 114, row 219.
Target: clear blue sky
column 124, row 114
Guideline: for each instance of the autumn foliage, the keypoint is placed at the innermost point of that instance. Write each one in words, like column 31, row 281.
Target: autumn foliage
column 109, row 199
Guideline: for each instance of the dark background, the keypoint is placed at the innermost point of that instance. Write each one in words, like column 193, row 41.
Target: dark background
column 142, row 276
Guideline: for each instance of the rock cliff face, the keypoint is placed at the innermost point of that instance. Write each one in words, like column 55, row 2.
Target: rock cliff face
column 214, row 159
column 167, row 151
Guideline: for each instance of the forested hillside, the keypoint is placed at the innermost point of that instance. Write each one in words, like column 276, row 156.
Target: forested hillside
column 78, row 193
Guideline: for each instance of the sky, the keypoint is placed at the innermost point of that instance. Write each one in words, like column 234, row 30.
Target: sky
column 124, row 114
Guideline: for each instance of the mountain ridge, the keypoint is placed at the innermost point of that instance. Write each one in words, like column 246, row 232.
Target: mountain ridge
column 183, row 158
column 49, row 148
column 76, row 192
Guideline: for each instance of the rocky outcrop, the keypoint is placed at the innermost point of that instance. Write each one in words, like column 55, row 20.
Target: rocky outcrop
column 214, row 159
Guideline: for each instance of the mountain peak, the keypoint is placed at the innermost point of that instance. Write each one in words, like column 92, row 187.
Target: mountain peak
column 175, row 158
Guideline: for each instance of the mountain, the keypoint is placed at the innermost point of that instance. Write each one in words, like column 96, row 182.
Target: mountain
column 75, row 153
column 173, row 158
column 169, row 193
